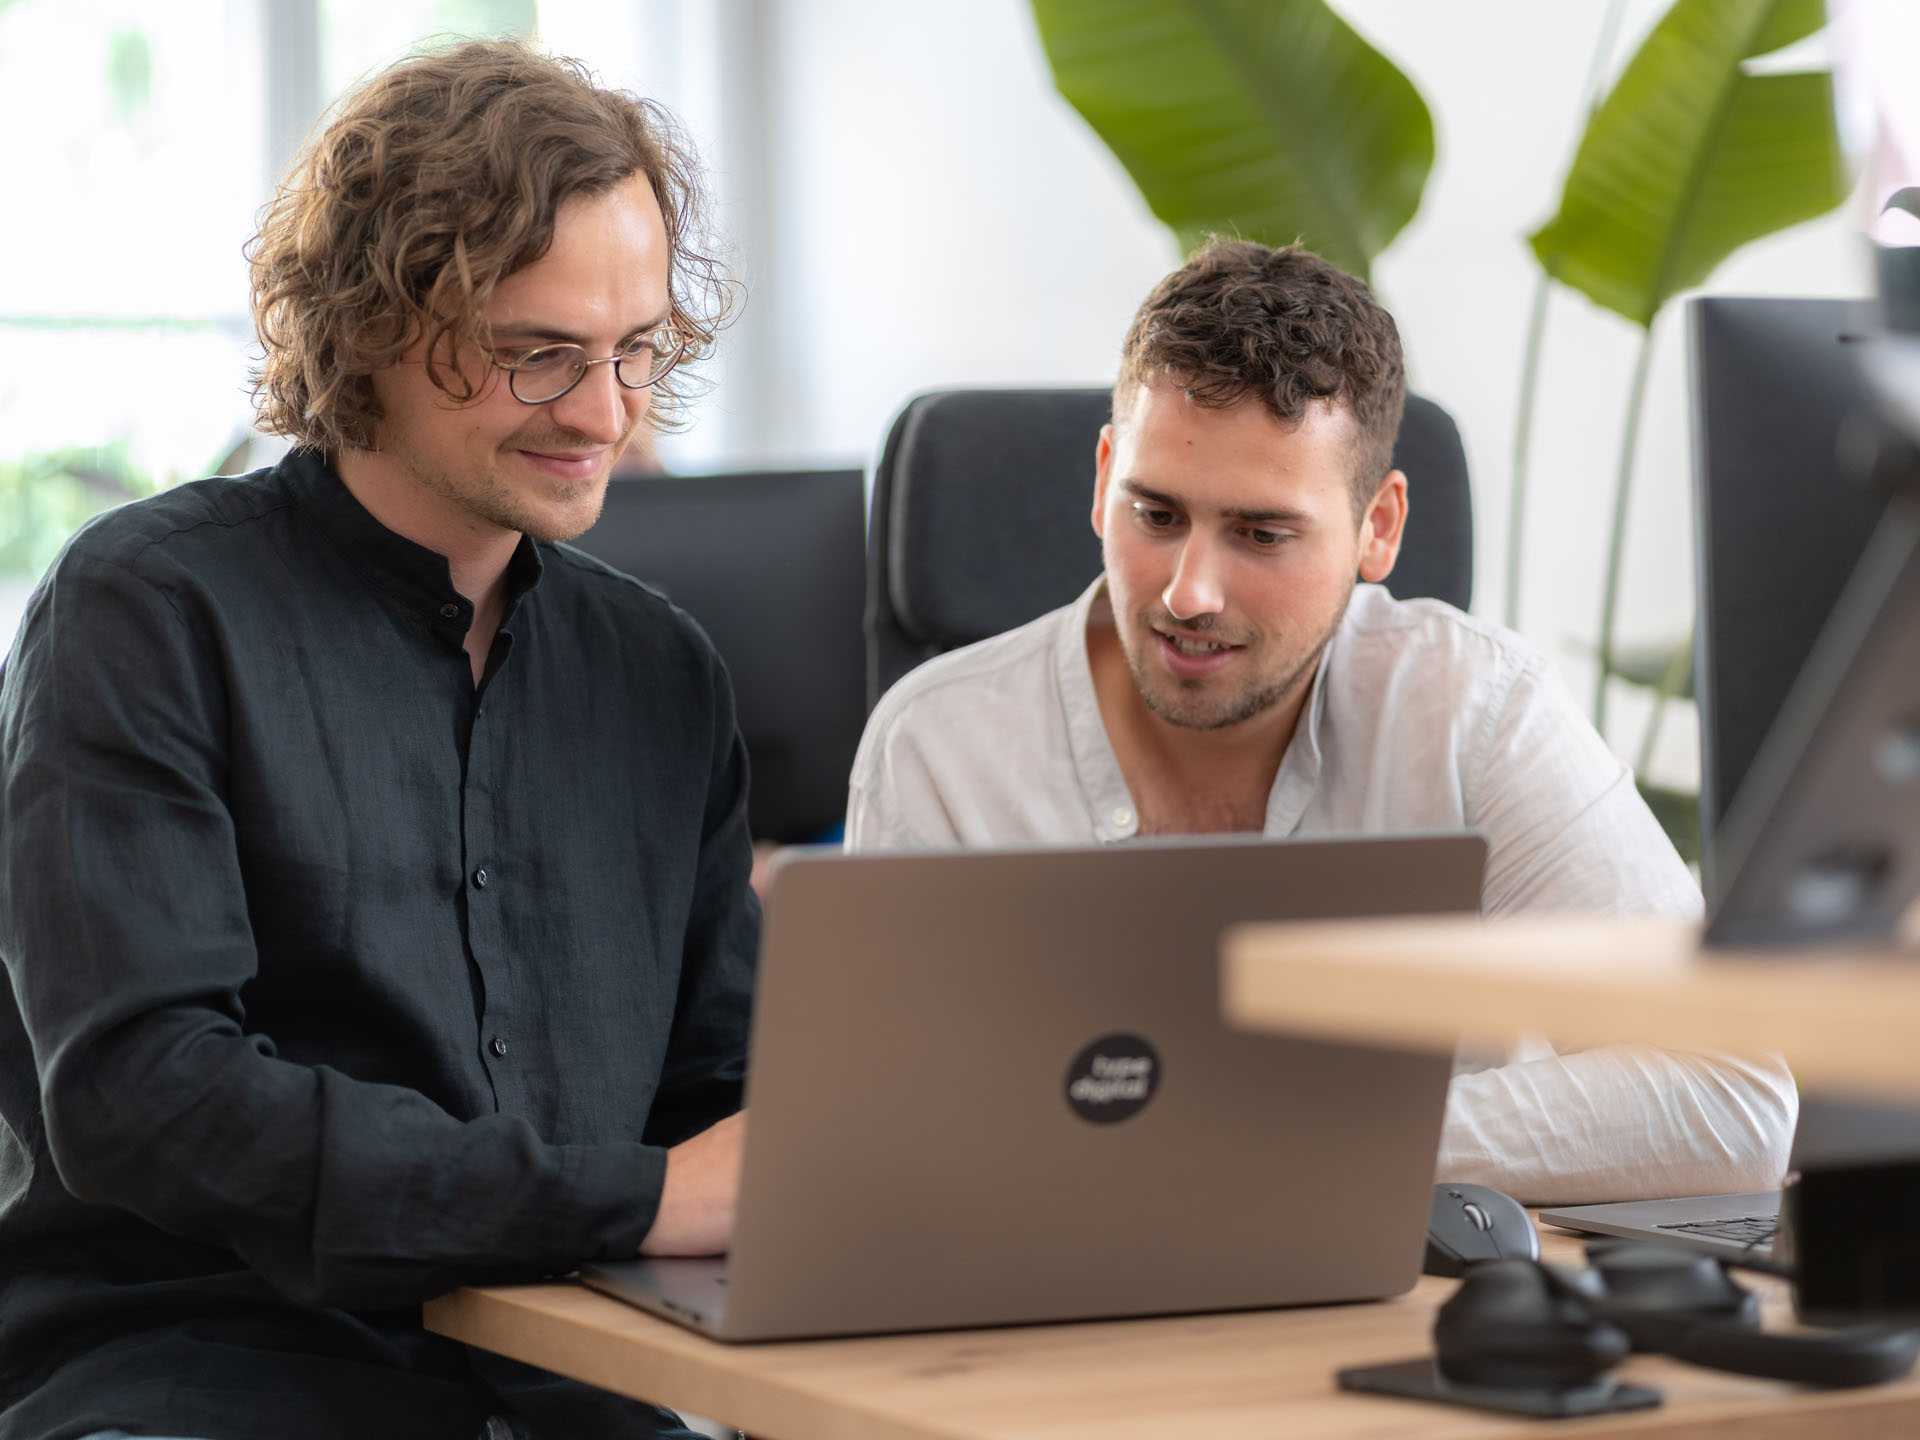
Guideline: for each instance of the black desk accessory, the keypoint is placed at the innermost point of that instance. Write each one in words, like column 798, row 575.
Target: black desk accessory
column 1866, row 1264
column 1517, row 1337
column 1677, row 1303
column 1469, row 1223
column 1538, row 1339
column 1421, row 1380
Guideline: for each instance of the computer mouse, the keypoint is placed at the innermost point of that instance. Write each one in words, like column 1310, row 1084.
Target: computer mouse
column 1475, row 1222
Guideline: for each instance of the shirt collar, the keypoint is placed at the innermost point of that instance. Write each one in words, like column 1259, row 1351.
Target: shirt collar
column 1109, row 803
column 414, row 578
column 1300, row 768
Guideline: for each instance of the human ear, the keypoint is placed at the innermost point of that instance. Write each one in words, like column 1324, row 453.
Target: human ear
column 1102, row 469
column 1382, row 528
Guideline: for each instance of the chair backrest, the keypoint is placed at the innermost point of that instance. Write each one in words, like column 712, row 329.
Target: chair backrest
column 771, row 565
column 979, row 517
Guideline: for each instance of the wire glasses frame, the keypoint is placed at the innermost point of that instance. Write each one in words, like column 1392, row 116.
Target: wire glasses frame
column 541, row 376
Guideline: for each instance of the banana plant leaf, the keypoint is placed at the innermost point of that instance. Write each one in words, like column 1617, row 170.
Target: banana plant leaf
column 1906, row 199
column 1267, row 119
column 1660, row 666
column 1690, row 156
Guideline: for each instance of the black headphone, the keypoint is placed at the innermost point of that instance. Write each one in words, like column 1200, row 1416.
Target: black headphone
column 1524, row 1325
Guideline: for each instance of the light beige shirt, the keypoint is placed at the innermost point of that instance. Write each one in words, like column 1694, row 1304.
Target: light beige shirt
column 1420, row 718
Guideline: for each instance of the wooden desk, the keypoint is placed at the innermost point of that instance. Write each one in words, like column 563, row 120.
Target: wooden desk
column 1265, row 1374
column 1843, row 1019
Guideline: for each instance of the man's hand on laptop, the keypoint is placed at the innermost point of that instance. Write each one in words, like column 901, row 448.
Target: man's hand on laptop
column 696, row 1203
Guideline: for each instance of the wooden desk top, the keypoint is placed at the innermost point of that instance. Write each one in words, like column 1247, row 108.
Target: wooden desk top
column 1268, row 1373
column 1843, row 1019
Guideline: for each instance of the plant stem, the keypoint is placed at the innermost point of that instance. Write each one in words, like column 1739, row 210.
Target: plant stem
column 1669, row 685
column 1617, row 534
column 1522, row 443
column 1536, row 332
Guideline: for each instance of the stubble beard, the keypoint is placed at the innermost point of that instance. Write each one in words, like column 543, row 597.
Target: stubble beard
column 487, row 496
column 1250, row 701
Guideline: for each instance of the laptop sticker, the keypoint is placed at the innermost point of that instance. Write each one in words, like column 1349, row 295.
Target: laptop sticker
column 1112, row 1079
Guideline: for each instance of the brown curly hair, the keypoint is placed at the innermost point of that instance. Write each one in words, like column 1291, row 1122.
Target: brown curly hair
column 1242, row 319
column 435, row 180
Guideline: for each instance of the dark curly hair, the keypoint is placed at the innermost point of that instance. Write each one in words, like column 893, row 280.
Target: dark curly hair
column 1242, row 319
column 435, row 180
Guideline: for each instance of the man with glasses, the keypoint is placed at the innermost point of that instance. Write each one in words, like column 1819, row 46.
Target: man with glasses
column 375, row 895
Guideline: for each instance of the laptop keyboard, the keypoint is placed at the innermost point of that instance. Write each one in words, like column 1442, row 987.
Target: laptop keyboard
column 1752, row 1231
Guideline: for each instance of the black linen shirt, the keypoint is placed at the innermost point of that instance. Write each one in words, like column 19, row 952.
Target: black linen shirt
column 338, row 981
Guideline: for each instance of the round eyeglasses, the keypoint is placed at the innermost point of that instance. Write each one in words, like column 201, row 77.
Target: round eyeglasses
column 541, row 376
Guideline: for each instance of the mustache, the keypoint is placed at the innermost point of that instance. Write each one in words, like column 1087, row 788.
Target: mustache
column 561, row 444
column 563, row 441
column 1201, row 627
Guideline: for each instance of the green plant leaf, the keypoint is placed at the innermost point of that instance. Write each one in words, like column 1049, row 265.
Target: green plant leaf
column 1690, row 156
column 1678, row 812
column 130, row 73
column 1906, row 199
column 1268, row 119
column 1667, row 666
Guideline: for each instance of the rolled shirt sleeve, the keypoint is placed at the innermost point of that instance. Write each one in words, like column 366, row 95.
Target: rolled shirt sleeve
column 1568, row 831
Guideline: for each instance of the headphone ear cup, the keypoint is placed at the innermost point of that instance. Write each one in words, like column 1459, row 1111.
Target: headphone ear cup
column 1660, row 1295
column 1514, row 1325
column 1658, row 1280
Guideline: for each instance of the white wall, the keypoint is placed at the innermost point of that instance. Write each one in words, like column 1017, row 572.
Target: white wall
column 935, row 214
column 940, row 216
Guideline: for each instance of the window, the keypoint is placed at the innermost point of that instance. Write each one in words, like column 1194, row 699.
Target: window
column 136, row 157
column 142, row 142
column 359, row 36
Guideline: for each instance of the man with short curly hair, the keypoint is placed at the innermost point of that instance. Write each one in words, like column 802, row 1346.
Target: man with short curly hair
column 1227, row 673
column 375, row 896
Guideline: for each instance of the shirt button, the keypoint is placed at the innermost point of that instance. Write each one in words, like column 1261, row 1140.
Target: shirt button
column 499, row 1048
column 1122, row 818
column 481, row 879
column 449, row 611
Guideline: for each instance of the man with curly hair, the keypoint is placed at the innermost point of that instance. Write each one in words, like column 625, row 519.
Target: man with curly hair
column 1226, row 672
column 375, row 895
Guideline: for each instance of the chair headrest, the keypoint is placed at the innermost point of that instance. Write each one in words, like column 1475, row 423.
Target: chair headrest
column 991, row 494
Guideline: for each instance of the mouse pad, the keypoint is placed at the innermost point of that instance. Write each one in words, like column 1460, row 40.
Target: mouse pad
column 1421, row 1380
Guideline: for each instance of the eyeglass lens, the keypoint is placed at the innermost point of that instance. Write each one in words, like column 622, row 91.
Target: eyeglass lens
column 549, row 373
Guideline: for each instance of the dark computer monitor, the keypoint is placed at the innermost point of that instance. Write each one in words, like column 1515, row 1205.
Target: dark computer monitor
column 773, row 566
column 1809, row 501
column 1809, row 590
column 1781, row 520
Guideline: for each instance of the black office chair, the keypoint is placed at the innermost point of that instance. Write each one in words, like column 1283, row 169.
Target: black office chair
column 771, row 566
column 979, row 518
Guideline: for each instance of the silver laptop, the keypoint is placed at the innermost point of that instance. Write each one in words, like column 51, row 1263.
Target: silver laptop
column 993, row 1087
column 1753, row 1228
column 1737, row 1228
